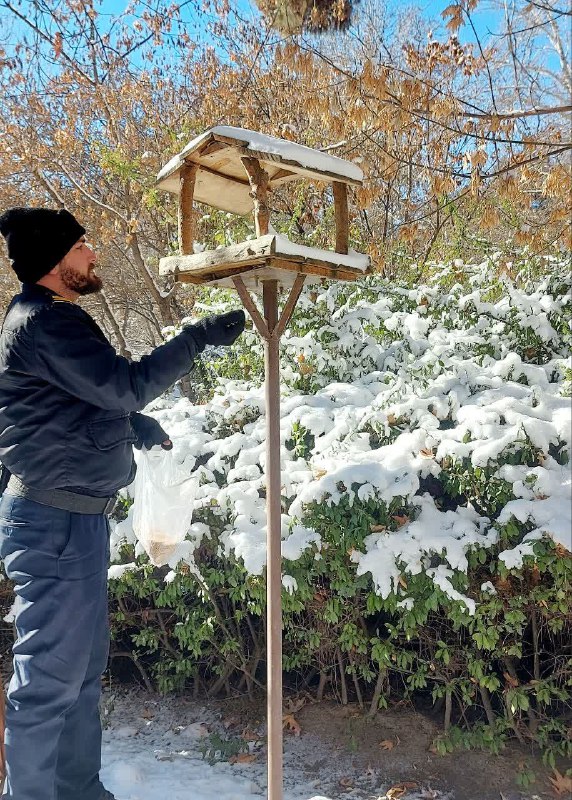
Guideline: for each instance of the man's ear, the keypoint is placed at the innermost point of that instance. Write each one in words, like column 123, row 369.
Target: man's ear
column 55, row 270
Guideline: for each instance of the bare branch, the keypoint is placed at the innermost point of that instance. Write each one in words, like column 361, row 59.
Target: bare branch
column 560, row 11
column 44, row 36
column 530, row 112
column 90, row 197
column 50, row 188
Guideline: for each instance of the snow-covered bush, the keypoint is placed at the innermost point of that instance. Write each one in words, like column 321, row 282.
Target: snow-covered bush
column 426, row 506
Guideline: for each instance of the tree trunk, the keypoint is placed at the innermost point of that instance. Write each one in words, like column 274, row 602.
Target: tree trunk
column 163, row 303
column 110, row 315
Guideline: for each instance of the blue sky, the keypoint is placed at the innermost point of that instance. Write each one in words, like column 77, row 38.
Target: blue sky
column 485, row 18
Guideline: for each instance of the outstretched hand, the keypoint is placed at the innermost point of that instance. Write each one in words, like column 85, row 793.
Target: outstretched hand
column 219, row 329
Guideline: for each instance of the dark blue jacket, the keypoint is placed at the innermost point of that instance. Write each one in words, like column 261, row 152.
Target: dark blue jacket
column 66, row 396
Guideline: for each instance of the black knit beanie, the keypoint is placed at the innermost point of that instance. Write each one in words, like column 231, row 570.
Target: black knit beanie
column 38, row 239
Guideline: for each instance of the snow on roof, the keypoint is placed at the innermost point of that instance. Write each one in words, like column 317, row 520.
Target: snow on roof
column 284, row 246
column 222, row 181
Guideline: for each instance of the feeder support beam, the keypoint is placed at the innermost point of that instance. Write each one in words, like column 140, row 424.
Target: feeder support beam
column 274, row 544
column 285, row 316
column 342, row 216
column 188, row 176
column 250, row 306
column 259, row 179
column 289, row 307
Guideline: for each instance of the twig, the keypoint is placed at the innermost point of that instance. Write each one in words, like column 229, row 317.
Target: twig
column 324, row 677
column 342, row 677
column 133, row 657
column 486, row 698
column 448, row 709
column 374, row 705
column 356, row 681
column 531, row 112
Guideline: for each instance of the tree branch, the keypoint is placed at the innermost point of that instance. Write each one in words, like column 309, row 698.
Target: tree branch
column 44, row 36
column 531, row 112
column 90, row 197
column 561, row 11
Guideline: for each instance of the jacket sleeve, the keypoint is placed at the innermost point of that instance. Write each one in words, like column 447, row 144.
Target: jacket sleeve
column 67, row 352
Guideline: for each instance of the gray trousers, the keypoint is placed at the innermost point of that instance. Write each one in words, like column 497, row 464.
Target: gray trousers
column 58, row 562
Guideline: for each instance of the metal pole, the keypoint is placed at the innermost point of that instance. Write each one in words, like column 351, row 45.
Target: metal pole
column 274, row 545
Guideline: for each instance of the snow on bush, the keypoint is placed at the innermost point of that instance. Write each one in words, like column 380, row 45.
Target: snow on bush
column 388, row 394
column 425, row 447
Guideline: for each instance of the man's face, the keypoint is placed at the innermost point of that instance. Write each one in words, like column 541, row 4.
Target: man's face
column 77, row 269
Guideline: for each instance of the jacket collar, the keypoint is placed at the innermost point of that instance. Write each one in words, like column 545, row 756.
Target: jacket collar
column 30, row 290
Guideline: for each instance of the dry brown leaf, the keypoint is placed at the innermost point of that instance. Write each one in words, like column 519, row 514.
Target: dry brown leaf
column 427, row 452
column 400, row 519
column 377, row 528
column 294, row 704
column 147, row 714
column 402, row 582
column 290, row 724
column 347, row 783
column 249, row 736
column 400, row 789
column 58, row 44
column 510, row 680
column 387, row 744
column 242, row 758
column 561, row 784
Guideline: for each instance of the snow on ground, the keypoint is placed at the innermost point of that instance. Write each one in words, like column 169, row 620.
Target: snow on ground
column 152, row 750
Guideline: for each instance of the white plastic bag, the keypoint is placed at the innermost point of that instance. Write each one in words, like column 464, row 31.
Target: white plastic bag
column 163, row 504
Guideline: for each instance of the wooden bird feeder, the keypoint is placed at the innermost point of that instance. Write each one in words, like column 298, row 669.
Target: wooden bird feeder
column 235, row 170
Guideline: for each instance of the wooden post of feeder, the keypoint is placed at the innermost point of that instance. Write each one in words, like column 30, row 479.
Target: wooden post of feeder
column 342, row 216
column 274, row 544
column 186, row 221
column 271, row 328
column 258, row 178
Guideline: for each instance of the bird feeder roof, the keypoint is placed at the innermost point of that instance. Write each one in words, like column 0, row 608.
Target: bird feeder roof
column 221, row 180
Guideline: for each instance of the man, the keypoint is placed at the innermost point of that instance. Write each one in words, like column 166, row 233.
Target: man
column 68, row 421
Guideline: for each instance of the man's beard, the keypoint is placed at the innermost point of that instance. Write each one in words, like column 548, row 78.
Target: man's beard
column 81, row 284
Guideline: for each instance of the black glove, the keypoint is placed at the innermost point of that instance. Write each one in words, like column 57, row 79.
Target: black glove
column 148, row 432
column 222, row 329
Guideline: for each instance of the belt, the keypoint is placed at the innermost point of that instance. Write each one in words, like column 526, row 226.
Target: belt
column 60, row 498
